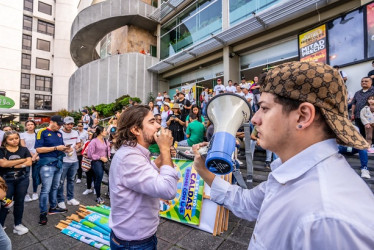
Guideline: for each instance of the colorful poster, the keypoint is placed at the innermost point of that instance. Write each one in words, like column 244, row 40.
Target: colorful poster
column 186, row 207
column 312, row 45
column 370, row 27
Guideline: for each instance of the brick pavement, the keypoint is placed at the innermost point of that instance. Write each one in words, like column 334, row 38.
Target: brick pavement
column 171, row 235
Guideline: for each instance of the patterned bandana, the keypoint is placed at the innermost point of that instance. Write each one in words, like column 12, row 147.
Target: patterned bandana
column 322, row 86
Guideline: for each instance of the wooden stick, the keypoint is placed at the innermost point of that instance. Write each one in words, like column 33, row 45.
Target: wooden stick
column 74, row 217
column 61, row 226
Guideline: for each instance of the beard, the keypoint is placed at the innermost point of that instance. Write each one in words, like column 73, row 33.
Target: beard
column 149, row 138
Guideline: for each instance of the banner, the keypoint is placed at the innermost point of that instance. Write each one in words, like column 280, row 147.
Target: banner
column 186, row 207
column 312, row 45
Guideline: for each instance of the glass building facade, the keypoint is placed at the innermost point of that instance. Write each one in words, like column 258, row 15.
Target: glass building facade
column 202, row 19
column 194, row 24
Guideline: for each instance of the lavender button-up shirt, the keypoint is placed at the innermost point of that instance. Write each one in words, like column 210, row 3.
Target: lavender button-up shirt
column 136, row 186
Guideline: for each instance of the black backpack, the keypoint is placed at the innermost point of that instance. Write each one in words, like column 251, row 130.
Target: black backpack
column 90, row 123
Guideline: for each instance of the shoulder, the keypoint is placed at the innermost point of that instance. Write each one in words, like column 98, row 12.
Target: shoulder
column 40, row 132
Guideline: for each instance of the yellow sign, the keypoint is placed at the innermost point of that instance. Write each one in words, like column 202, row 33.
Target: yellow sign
column 312, row 45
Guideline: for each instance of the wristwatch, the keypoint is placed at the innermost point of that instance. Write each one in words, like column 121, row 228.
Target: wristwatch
column 55, row 148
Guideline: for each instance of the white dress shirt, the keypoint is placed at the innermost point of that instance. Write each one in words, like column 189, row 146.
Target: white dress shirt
column 315, row 200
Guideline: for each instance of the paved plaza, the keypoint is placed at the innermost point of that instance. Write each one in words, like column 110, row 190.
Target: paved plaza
column 171, row 235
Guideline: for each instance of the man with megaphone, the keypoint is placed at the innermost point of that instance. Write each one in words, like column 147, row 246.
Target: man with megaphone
column 312, row 199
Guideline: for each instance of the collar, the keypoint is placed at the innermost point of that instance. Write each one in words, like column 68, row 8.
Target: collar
column 143, row 150
column 303, row 161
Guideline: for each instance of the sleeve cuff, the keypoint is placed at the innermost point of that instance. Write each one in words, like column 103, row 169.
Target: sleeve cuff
column 218, row 190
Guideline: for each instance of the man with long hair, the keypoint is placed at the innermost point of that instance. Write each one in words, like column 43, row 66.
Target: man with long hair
column 136, row 182
column 312, row 199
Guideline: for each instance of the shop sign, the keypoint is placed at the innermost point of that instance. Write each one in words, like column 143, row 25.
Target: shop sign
column 312, row 45
column 6, row 102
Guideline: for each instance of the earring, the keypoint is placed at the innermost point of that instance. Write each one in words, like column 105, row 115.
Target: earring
column 299, row 126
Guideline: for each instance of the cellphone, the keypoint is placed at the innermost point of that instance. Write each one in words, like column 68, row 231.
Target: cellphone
column 68, row 145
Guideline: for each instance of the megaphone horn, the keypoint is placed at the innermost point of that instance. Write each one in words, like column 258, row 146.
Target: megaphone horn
column 227, row 112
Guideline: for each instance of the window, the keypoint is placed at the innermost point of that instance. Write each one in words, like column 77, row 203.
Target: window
column 25, row 101
column 26, row 61
column 346, row 38
column 45, row 8
column 153, row 51
column 43, row 102
column 46, row 28
column 26, row 42
column 42, row 63
column 27, row 23
column 43, row 83
column 43, row 45
column 25, row 81
column 27, row 5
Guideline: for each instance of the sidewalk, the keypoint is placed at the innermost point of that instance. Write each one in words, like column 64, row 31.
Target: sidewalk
column 171, row 235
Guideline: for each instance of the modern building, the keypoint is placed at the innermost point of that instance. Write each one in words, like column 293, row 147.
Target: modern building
column 199, row 41
column 35, row 64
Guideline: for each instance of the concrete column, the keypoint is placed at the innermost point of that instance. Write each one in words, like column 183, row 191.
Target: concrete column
column 230, row 65
column 158, row 35
column 225, row 15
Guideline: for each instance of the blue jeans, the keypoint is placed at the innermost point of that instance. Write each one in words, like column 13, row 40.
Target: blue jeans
column 204, row 108
column 34, row 185
column 50, row 178
column 98, row 169
column 69, row 170
column 363, row 154
column 115, row 244
column 5, row 243
column 17, row 189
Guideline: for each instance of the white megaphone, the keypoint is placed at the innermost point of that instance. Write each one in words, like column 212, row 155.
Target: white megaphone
column 227, row 112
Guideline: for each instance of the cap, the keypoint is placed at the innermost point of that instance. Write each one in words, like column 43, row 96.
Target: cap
column 321, row 85
column 243, row 78
column 167, row 104
column 68, row 119
column 182, row 93
column 58, row 119
column 84, row 110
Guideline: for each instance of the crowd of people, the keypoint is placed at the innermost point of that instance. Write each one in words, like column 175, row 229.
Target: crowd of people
column 64, row 150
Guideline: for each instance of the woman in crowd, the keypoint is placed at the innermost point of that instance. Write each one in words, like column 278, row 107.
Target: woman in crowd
column 89, row 174
column 367, row 118
column 165, row 114
column 15, row 162
column 175, row 124
column 28, row 140
column 5, row 243
column 155, row 109
column 195, row 109
column 99, row 152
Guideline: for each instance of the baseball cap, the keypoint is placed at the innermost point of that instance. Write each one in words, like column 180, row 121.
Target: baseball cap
column 321, row 85
column 84, row 110
column 243, row 78
column 68, row 119
column 58, row 119
column 167, row 104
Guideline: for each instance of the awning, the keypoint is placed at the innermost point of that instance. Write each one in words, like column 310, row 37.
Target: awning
column 27, row 111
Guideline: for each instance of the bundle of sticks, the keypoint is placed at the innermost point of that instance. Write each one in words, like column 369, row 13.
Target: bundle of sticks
column 89, row 225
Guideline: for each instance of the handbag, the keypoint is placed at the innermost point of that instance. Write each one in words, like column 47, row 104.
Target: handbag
column 86, row 164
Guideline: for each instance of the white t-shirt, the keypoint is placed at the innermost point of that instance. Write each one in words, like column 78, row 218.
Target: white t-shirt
column 219, row 88
column 86, row 118
column 159, row 100
column 70, row 138
column 240, row 94
column 29, row 141
column 249, row 95
column 164, row 117
column 83, row 136
column 231, row 89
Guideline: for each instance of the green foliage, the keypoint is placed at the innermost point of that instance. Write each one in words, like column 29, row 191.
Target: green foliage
column 107, row 110
column 150, row 98
column 63, row 112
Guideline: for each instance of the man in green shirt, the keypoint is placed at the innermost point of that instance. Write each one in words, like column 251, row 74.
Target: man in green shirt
column 195, row 132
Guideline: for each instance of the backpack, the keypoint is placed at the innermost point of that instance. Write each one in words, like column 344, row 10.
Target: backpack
column 90, row 123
